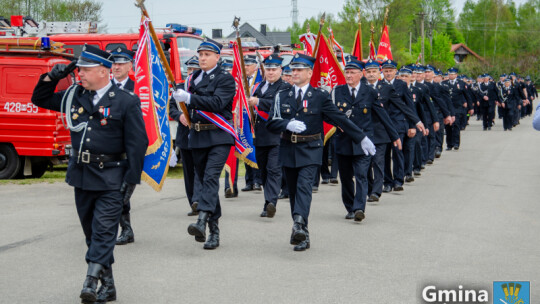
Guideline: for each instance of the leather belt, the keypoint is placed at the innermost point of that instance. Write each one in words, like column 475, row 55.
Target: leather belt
column 205, row 127
column 300, row 138
column 87, row 157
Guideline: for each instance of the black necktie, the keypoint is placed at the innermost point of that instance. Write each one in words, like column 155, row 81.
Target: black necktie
column 299, row 98
column 91, row 96
column 119, row 84
column 352, row 93
column 204, row 75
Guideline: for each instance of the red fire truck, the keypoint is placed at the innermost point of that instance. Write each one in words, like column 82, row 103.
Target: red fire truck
column 31, row 138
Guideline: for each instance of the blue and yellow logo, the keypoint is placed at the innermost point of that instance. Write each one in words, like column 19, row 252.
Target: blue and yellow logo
column 511, row 292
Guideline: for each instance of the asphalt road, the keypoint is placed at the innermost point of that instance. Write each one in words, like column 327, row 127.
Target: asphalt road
column 471, row 218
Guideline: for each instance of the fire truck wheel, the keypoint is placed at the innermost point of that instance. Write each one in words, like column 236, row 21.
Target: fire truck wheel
column 39, row 168
column 9, row 162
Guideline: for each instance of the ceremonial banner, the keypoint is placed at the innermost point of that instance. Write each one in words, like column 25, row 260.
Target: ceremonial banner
column 334, row 44
column 327, row 73
column 308, row 40
column 152, row 80
column 372, row 53
column 143, row 85
column 357, row 47
column 385, row 51
column 244, row 148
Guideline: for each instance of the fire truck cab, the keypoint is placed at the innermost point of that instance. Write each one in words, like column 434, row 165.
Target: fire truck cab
column 31, row 138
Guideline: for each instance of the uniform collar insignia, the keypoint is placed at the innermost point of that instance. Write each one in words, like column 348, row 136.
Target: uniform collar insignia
column 111, row 94
column 212, row 76
column 308, row 94
column 290, row 93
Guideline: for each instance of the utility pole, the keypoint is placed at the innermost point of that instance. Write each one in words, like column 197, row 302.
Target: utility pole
column 294, row 12
column 422, row 15
column 410, row 43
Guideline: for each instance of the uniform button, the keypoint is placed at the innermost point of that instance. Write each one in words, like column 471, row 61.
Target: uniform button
column 352, row 115
column 88, row 140
column 296, row 114
column 91, row 117
column 89, row 128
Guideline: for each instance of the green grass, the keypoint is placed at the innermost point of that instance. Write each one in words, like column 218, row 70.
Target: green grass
column 58, row 174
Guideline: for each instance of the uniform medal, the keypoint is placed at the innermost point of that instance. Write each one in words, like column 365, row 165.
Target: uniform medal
column 344, row 104
column 365, row 110
column 81, row 110
column 305, row 103
column 74, row 116
column 103, row 122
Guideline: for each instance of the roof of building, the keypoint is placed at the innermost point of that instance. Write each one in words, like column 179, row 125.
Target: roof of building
column 271, row 38
column 456, row 47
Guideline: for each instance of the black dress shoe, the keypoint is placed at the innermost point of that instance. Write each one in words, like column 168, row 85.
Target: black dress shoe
column 198, row 229
column 456, row 147
column 229, row 193
column 247, row 188
column 386, row 189
column 438, row 154
column 359, row 215
column 429, row 162
column 282, row 196
column 213, row 237
column 271, row 210
column 314, row 189
column 409, row 178
column 89, row 293
column 126, row 236
column 334, row 181
column 349, row 216
column 194, row 209
column 398, row 188
column 107, row 291
column 422, row 166
column 325, row 181
column 449, row 149
column 373, row 198
column 303, row 245
column 417, row 173
column 264, row 214
column 298, row 234
column 257, row 187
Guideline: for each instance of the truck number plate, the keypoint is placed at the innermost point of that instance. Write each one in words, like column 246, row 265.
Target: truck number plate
column 17, row 107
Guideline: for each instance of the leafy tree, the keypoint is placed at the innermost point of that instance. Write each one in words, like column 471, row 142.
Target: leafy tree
column 53, row 10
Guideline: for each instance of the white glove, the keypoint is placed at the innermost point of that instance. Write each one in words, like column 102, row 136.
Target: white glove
column 368, row 146
column 181, row 96
column 296, row 126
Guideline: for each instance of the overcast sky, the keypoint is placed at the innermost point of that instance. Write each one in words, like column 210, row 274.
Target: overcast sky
column 122, row 15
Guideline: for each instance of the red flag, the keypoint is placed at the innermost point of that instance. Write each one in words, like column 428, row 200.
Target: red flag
column 357, row 48
column 385, row 51
column 308, row 40
column 335, row 44
column 372, row 54
column 143, row 89
column 327, row 73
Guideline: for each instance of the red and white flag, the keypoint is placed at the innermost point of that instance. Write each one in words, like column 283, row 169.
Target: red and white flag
column 327, row 74
column 308, row 40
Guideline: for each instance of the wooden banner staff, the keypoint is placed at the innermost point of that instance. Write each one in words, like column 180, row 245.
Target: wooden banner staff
column 236, row 23
column 261, row 59
column 384, row 23
column 360, row 33
column 169, row 73
column 321, row 24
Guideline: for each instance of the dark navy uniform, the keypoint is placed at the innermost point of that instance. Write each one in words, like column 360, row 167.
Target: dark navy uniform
column 210, row 93
column 442, row 112
column 397, row 103
column 460, row 103
column 426, row 149
column 444, row 90
column 214, row 93
column 509, row 98
column 304, row 110
column 267, row 143
column 109, row 143
column 352, row 160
